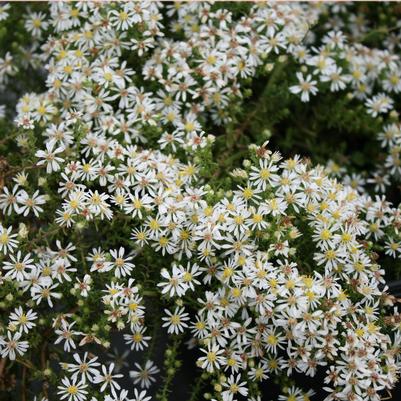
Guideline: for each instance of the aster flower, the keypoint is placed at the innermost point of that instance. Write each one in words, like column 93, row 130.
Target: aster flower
column 108, row 379
column 175, row 322
column 72, row 390
column 49, row 157
column 29, row 203
column 24, row 321
column 7, row 241
column 305, row 87
column 19, row 267
column 144, row 375
column 84, row 368
column 11, row 346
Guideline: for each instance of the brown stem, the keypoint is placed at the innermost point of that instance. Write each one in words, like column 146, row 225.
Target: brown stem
column 25, row 363
column 45, row 385
column 23, row 385
column 2, row 366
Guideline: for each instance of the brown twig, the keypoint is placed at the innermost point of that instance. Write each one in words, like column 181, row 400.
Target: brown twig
column 43, row 359
column 25, row 363
column 2, row 366
column 23, row 387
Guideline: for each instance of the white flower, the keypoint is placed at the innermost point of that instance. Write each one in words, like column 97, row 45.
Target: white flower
column 49, row 157
column 122, row 266
column 8, row 200
column 234, row 387
column 144, row 376
column 18, row 268
column 379, row 104
column 305, row 87
column 137, row 340
column 3, row 11
column 83, row 286
column 107, row 378
column 175, row 322
column 23, row 320
column 66, row 334
column 72, row 390
column 43, row 290
column 213, row 358
column 12, row 346
column 30, row 203
column 84, row 369
column 7, row 241
column 141, row 396
column 174, row 284
column 36, row 23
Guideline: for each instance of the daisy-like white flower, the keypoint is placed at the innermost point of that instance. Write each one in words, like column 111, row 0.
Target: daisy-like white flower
column 213, row 358
column 305, row 87
column 337, row 79
column 66, row 334
column 122, row 265
column 84, row 369
column 273, row 340
column 72, row 390
column 137, row 339
column 25, row 121
column 8, row 200
column 4, row 11
column 24, row 321
column 83, row 286
column 189, row 275
column 137, row 203
column 263, row 175
column 144, row 375
column 141, row 396
column 29, row 204
column 7, row 241
column 293, row 393
column 123, row 19
column 18, row 269
column 379, row 104
column 392, row 248
column 174, row 284
column 11, row 346
column 233, row 388
column 36, row 23
column 49, row 156
column 108, row 379
column 175, row 322
column 44, row 291
column 97, row 204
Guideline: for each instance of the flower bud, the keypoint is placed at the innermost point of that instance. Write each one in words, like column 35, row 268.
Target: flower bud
column 42, row 181
column 211, row 138
column 246, row 163
column 22, row 230
column 269, row 67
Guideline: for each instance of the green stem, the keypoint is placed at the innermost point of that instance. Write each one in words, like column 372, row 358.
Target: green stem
column 196, row 389
column 170, row 373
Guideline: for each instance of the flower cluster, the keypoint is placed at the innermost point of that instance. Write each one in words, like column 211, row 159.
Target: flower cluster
column 177, row 84
column 113, row 228
column 368, row 75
